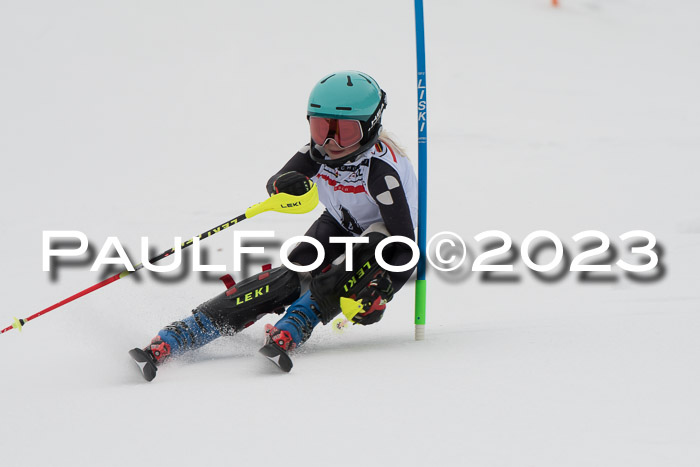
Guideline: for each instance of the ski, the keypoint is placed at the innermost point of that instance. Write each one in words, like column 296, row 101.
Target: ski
column 277, row 356
column 145, row 363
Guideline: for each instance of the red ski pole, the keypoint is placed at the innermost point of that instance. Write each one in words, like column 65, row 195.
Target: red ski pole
column 280, row 202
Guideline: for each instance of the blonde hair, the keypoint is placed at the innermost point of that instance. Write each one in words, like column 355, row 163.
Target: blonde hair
column 390, row 140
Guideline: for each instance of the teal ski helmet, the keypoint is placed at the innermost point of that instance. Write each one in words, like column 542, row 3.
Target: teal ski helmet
column 348, row 95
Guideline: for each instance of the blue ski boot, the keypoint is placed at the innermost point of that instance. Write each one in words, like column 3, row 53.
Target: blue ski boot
column 191, row 333
column 291, row 331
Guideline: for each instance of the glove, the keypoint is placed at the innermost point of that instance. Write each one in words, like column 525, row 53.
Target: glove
column 374, row 298
column 293, row 183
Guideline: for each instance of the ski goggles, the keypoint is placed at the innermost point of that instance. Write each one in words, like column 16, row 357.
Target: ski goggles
column 344, row 132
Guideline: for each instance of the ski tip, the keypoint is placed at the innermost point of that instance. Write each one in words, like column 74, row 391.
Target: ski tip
column 277, row 356
column 146, row 366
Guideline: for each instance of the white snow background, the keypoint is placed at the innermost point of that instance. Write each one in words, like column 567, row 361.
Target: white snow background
column 164, row 119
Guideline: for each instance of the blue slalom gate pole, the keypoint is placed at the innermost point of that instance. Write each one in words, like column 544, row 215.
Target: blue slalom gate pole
column 422, row 171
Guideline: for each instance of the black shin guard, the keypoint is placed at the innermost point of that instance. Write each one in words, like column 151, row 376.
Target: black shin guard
column 249, row 300
column 327, row 287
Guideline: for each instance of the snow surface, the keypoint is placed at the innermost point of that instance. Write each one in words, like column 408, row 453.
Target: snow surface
column 160, row 118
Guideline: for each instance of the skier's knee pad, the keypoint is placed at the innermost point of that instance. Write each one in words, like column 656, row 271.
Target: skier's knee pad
column 336, row 282
column 247, row 301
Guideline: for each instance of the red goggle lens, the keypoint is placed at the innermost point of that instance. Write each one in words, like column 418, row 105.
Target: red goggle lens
column 344, row 132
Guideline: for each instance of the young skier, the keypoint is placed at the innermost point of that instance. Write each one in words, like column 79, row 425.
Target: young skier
column 369, row 189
